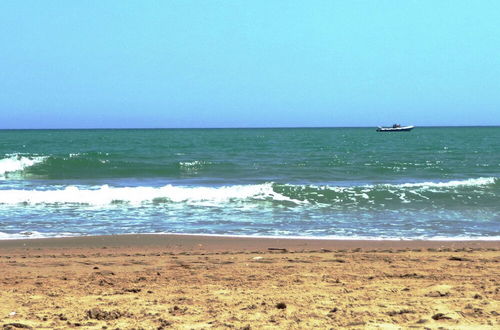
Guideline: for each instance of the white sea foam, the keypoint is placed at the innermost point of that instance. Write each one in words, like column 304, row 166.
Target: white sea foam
column 446, row 184
column 16, row 163
column 33, row 235
column 105, row 195
column 428, row 184
column 348, row 238
column 37, row 235
column 196, row 163
column 415, row 188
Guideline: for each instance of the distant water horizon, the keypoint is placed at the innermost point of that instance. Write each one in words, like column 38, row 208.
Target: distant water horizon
column 324, row 182
column 238, row 127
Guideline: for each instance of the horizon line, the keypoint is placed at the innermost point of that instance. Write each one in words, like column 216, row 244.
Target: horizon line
column 234, row 127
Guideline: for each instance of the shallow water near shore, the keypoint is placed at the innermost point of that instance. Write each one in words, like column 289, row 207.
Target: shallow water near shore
column 313, row 182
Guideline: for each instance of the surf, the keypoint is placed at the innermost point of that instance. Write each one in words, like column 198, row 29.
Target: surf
column 452, row 192
column 16, row 163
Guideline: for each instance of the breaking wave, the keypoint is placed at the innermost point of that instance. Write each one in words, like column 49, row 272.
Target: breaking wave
column 17, row 163
column 91, row 165
column 479, row 191
column 105, row 194
column 455, row 183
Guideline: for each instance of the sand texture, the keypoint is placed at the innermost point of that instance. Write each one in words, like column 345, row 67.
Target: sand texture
column 265, row 284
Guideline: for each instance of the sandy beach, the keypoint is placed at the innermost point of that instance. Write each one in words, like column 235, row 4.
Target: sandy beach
column 194, row 282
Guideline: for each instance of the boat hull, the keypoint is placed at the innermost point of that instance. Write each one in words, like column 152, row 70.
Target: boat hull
column 395, row 129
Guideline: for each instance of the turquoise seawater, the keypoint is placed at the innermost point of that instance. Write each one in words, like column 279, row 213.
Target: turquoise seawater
column 315, row 182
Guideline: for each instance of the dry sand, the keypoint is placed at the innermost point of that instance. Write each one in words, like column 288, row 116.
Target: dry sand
column 170, row 281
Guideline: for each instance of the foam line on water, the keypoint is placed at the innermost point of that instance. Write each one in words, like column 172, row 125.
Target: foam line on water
column 38, row 235
column 446, row 184
column 342, row 238
column 105, row 195
column 483, row 181
column 17, row 162
column 297, row 194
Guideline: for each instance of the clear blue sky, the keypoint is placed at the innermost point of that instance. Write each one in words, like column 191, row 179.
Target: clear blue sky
column 253, row 63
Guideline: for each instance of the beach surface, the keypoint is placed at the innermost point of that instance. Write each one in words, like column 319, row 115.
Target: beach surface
column 193, row 282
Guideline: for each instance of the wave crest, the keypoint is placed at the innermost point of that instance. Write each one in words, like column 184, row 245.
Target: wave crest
column 454, row 183
column 17, row 163
column 480, row 191
column 104, row 195
column 477, row 191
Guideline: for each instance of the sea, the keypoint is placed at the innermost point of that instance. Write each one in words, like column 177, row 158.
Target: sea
column 345, row 183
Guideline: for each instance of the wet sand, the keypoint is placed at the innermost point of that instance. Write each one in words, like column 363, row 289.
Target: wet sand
column 177, row 281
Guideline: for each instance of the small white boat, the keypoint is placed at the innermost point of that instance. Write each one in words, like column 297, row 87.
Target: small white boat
column 395, row 128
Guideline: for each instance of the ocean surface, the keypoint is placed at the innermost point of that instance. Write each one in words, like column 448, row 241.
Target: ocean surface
column 431, row 183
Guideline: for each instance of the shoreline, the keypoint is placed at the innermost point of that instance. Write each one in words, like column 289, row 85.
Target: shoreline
column 185, row 242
